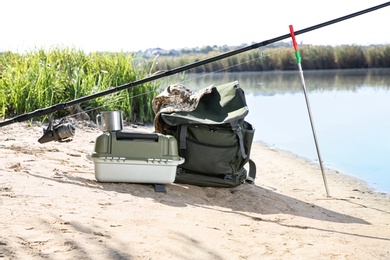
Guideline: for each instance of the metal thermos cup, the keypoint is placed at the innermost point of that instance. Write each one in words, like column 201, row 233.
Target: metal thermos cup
column 108, row 121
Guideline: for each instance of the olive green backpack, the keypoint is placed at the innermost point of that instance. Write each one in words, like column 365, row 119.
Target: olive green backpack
column 213, row 138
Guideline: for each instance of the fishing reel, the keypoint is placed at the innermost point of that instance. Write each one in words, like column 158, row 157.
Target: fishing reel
column 59, row 132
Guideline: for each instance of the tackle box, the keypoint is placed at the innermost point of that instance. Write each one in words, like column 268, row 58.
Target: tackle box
column 135, row 157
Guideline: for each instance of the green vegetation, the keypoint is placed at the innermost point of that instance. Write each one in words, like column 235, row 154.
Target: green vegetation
column 41, row 78
column 281, row 57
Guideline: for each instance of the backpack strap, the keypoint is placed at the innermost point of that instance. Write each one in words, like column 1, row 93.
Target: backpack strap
column 252, row 172
column 238, row 130
column 183, row 136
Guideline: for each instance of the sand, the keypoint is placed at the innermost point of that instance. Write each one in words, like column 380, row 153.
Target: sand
column 52, row 207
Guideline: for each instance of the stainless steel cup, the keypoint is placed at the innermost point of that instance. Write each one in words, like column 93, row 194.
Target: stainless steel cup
column 110, row 121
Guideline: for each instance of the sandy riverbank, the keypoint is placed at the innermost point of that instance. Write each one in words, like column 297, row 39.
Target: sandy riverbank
column 51, row 206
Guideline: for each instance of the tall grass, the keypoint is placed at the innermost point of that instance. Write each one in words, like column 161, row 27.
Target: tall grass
column 282, row 58
column 39, row 79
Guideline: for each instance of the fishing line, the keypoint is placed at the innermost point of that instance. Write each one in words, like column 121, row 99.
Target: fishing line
column 108, row 103
column 263, row 55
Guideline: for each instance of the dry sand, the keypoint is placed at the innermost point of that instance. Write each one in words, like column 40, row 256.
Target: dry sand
column 52, row 207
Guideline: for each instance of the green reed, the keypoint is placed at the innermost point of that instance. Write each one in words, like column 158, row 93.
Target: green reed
column 314, row 57
column 39, row 79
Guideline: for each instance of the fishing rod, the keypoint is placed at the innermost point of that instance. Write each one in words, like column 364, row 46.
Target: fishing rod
column 60, row 106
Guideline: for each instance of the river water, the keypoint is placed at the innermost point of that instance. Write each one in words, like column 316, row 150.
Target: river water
column 350, row 111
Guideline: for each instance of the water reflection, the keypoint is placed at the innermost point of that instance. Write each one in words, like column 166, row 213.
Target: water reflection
column 277, row 82
column 351, row 111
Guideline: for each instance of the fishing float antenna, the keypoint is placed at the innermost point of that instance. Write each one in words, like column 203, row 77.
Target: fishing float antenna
column 298, row 59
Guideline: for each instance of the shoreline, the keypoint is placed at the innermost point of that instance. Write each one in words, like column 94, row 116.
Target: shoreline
column 352, row 178
column 52, row 206
column 334, row 174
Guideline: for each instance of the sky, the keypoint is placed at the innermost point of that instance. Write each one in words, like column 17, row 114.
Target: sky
column 124, row 25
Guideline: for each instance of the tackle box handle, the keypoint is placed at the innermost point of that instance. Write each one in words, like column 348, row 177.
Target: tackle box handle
column 132, row 136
